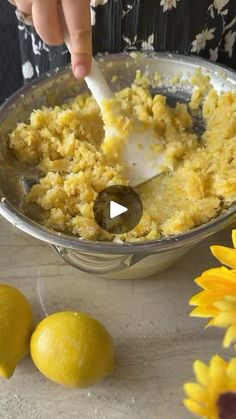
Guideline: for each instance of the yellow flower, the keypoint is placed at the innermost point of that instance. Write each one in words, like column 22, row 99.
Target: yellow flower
column 218, row 298
column 217, row 283
column 224, row 254
column 213, row 396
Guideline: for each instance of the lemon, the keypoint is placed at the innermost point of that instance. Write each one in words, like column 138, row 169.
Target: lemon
column 16, row 326
column 72, row 349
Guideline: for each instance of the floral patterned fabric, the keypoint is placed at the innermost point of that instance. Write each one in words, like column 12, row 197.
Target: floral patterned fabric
column 203, row 27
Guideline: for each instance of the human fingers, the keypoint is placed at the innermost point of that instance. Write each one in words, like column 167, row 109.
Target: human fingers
column 12, row 2
column 47, row 21
column 23, row 6
column 78, row 22
column 23, row 10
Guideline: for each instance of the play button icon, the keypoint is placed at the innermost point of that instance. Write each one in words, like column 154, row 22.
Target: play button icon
column 117, row 209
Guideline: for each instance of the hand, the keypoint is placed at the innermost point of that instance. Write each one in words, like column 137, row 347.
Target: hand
column 49, row 18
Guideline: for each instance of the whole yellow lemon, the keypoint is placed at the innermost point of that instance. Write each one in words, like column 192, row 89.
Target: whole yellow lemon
column 72, row 349
column 16, row 326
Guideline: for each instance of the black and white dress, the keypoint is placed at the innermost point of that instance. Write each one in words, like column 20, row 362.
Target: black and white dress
column 203, row 27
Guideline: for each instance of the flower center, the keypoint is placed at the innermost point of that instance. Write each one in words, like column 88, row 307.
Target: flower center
column 227, row 406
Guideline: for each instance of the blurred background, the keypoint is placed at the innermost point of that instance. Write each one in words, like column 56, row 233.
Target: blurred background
column 10, row 67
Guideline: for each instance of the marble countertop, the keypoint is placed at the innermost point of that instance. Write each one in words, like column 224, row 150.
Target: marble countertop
column 156, row 342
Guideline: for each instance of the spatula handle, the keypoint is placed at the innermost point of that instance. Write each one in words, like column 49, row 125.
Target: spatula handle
column 97, row 83
column 95, row 80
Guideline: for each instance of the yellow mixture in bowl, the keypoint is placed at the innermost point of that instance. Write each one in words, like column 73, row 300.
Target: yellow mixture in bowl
column 65, row 145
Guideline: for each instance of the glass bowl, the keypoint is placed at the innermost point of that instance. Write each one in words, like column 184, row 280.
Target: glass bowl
column 113, row 260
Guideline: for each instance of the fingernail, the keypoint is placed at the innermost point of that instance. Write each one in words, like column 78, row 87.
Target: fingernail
column 80, row 70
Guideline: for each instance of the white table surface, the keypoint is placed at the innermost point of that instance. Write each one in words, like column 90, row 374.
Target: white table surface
column 156, row 342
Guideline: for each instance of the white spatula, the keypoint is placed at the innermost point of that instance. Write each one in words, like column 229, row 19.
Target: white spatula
column 137, row 155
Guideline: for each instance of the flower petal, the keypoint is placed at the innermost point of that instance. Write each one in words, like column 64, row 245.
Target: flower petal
column 216, row 271
column 211, row 323
column 217, row 373
column 224, row 319
column 201, row 371
column 205, row 311
column 231, row 372
column 226, row 304
column 206, row 297
column 217, row 360
column 196, row 392
column 230, row 336
column 225, row 255
column 231, row 298
column 224, row 274
column 195, row 408
column 234, row 237
column 225, row 285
